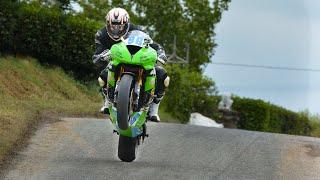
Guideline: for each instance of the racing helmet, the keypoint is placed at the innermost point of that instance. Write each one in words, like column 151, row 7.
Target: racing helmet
column 117, row 23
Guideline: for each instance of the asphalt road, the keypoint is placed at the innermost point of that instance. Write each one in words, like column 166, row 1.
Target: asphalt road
column 87, row 149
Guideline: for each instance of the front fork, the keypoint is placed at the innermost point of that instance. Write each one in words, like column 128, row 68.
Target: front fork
column 137, row 88
column 114, row 86
column 146, row 83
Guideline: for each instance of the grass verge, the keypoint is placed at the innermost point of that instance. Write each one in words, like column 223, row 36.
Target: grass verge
column 167, row 117
column 29, row 91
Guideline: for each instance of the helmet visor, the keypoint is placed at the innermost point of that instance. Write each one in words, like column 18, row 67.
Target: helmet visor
column 117, row 30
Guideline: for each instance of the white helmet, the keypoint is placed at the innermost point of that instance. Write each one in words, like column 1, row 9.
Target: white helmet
column 117, row 23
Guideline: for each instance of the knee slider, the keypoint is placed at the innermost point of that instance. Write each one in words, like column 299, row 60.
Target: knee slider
column 166, row 82
column 101, row 82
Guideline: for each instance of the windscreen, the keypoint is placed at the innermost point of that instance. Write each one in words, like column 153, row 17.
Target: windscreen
column 136, row 38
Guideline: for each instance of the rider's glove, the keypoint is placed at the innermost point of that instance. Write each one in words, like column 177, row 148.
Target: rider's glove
column 104, row 56
column 162, row 58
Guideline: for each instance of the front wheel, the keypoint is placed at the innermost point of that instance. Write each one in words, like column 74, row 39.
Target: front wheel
column 123, row 102
column 127, row 145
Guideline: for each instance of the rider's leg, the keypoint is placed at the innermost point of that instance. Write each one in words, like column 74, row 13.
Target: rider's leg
column 161, row 85
column 103, row 78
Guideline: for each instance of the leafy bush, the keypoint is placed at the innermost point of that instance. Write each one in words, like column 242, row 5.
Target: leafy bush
column 253, row 113
column 49, row 35
column 314, row 120
column 40, row 33
column 8, row 23
column 258, row 115
column 189, row 91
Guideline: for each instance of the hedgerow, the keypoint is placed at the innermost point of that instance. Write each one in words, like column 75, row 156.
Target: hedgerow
column 51, row 36
column 258, row 115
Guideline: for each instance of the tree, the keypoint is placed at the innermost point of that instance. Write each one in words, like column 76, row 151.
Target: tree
column 60, row 4
column 97, row 9
column 63, row 4
column 94, row 9
column 191, row 21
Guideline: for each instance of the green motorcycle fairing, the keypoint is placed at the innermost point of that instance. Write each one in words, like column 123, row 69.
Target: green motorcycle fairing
column 137, row 119
column 145, row 57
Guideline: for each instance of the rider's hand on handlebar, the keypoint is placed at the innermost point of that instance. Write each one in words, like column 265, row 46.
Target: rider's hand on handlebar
column 162, row 59
column 104, row 56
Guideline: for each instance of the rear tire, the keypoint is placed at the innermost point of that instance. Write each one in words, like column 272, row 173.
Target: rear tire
column 127, row 148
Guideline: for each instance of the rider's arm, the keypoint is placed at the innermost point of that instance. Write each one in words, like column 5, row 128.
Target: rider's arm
column 99, row 47
column 160, row 51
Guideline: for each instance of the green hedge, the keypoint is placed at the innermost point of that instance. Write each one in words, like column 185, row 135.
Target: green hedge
column 258, row 115
column 49, row 35
column 189, row 92
column 8, row 24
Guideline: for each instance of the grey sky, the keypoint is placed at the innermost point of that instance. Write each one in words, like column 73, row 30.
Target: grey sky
column 276, row 33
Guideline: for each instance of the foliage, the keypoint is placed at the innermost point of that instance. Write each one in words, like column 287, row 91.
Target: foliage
column 63, row 5
column 94, row 9
column 253, row 113
column 314, row 120
column 28, row 90
column 8, row 23
column 190, row 92
column 258, row 115
column 35, row 40
column 50, row 36
column 192, row 22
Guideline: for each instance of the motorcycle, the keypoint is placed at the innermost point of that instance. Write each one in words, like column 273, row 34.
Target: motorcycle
column 131, row 87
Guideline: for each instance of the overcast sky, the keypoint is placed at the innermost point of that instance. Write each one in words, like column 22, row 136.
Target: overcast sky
column 282, row 33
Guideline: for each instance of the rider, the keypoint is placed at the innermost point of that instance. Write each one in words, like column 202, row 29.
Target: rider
column 118, row 25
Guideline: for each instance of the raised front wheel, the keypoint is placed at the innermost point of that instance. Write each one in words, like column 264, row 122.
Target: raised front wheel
column 127, row 145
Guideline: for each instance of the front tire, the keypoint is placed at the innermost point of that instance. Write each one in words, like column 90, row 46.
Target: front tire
column 123, row 102
column 127, row 145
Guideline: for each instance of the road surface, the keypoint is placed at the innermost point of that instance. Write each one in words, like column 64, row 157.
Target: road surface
column 75, row 148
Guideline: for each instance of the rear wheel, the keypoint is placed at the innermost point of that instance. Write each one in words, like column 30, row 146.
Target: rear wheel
column 127, row 148
column 127, row 145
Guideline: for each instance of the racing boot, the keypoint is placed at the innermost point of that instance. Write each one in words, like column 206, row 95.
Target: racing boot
column 153, row 112
column 154, row 108
column 162, row 83
column 104, row 109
